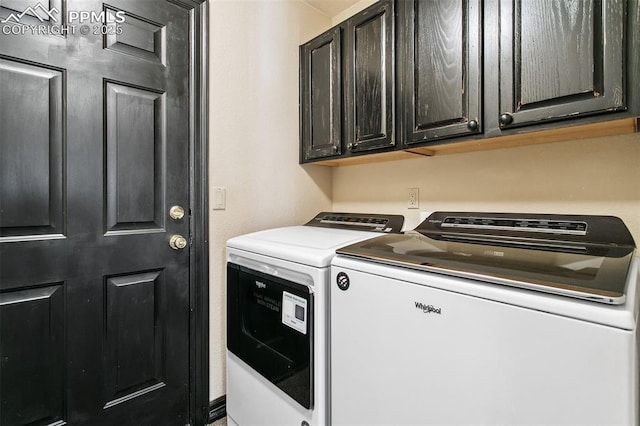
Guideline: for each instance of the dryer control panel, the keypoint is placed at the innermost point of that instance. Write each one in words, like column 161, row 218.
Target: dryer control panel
column 359, row 222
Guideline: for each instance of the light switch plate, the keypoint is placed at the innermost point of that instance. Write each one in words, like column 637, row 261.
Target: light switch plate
column 219, row 198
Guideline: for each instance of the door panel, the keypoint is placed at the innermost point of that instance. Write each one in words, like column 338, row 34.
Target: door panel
column 320, row 102
column 441, row 73
column 370, row 87
column 95, row 150
column 32, row 106
column 439, row 24
column 32, row 384
column 135, row 358
column 140, row 38
column 560, row 59
column 369, row 79
column 559, row 53
column 135, row 158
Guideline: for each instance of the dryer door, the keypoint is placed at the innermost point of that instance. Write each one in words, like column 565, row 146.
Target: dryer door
column 270, row 327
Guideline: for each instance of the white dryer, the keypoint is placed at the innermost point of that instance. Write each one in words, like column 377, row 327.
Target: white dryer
column 277, row 317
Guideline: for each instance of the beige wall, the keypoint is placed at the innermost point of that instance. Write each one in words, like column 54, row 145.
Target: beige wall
column 597, row 176
column 347, row 13
column 254, row 136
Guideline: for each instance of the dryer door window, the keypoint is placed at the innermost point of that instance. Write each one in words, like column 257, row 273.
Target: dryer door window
column 270, row 327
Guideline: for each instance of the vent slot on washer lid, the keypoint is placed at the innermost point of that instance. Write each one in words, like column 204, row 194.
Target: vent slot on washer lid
column 515, row 224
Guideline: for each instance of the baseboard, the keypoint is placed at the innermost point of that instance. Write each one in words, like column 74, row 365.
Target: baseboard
column 217, row 408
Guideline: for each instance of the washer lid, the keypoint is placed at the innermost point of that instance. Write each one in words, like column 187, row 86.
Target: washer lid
column 586, row 257
column 308, row 245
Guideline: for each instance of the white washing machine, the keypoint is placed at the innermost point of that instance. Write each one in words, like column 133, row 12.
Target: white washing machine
column 488, row 319
column 277, row 317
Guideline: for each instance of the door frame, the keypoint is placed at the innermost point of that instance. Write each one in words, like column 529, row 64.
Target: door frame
column 199, row 247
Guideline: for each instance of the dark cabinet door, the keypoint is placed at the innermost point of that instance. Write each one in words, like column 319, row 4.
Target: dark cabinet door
column 560, row 59
column 320, row 97
column 369, row 78
column 439, row 52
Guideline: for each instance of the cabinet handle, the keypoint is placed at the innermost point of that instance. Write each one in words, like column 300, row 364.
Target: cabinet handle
column 505, row 119
column 472, row 125
column 351, row 146
column 335, row 148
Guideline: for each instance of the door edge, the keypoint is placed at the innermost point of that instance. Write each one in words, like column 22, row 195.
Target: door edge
column 199, row 248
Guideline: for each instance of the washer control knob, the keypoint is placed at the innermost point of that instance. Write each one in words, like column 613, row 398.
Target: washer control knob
column 342, row 280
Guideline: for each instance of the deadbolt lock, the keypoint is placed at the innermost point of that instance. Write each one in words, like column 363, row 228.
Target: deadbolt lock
column 176, row 212
column 177, row 242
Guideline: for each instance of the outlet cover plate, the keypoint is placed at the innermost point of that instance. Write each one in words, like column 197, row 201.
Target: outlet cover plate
column 414, row 198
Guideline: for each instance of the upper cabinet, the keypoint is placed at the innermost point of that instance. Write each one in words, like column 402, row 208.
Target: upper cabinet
column 369, row 79
column 560, row 59
column 347, row 87
column 320, row 97
column 439, row 60
column 420, row 77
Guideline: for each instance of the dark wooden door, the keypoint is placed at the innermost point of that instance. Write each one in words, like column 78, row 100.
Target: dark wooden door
column 369, row 78
column 439, row 54
column 560, row 59
column 320, row 97
column 94, row 150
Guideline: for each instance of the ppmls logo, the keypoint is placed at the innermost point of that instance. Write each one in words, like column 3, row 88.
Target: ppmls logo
column 84, row 22
column 39, row 11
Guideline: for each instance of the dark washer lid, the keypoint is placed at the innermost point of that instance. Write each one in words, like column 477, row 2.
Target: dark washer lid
column 587, row 257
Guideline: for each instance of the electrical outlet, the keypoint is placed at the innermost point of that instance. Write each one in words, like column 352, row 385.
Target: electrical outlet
column 414, row 198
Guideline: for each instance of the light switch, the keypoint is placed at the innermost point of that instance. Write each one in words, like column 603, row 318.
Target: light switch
column 219, row 198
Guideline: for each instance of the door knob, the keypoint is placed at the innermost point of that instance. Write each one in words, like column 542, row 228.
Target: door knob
column 177, row 242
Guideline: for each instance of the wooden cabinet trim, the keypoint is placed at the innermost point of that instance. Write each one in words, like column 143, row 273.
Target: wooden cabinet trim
column 585, row 131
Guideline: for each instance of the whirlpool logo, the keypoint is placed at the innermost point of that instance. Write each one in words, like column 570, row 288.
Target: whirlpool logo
column 428, row 309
